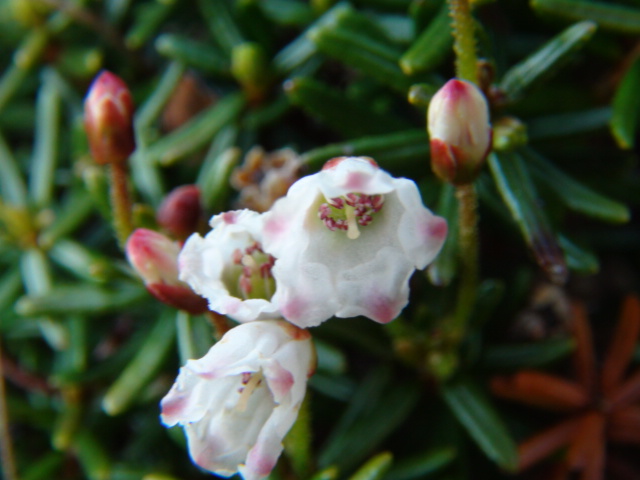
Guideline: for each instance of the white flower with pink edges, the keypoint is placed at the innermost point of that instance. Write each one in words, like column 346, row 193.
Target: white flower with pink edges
column 237, row 402
column 346, row 241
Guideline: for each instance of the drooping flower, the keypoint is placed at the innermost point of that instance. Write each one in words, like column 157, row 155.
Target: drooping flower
column 229, row 267
column 459, row 131
column 238, row 401
column 155, row 258
column 180, row 211
column 108, row 118
column 346, row 240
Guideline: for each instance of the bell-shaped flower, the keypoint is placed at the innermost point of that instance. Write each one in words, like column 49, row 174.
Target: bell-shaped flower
column 238, row 401
column 229, row 267
column 346, row 240
column 459, row 131
column 108, row 119
column 155, row 258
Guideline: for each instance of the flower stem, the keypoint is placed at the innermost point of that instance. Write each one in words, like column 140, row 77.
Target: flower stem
column 121, row 202
column 464, row 40
column 468, row 250
column 8, row 469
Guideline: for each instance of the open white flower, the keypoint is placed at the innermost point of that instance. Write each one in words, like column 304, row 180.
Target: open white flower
column 229, row 267
column 346, row 241
column 238, row 401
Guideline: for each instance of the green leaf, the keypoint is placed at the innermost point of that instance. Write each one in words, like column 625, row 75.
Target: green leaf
column 526, row 355
column 363, row 47
column 579, row 258
column 376, row 409
column 375, row 468
column 610, row 16
column 151, row 109
column 418, row 466
column 431, row 47
column 148, row 18
column 222, row 25
column 565, row 124
column 45, row 468
column 474, row 411
column 12, row 186
column 545, row 61
column 92, row 456
column 518, row 193
column 80, row 298
column 75, row 208
column 574, row 194
column 142, row 369
column 197, row 132
column 45, row 150
column 344, row 115
column 330, row 473
column 202, row 56
column 626, row 108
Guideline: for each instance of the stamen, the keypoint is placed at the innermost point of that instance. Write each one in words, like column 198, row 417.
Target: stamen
column 348, row 212
column 246, row 391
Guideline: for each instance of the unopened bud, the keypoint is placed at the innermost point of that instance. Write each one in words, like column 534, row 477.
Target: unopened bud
column 108, row 119
column 155, row 258
column 460, row 133
column 180, row 211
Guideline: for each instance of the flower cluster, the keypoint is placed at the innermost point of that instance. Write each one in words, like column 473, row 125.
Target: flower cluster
column 343, row 242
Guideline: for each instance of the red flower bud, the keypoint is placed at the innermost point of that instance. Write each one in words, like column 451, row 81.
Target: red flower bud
column 180, row 211
column 155, row 258
column 458, row 122
column 108, row 119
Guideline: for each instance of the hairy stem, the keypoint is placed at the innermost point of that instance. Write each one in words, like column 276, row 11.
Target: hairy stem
column 468, row 251
column 464, row 46
column 121, row 206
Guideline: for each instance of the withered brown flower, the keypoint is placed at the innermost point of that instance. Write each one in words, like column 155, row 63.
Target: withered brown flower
column 601, row 403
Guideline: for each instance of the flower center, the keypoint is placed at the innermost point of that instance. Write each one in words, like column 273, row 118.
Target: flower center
column 250, row 381
column 254, row 279
column 349, row 212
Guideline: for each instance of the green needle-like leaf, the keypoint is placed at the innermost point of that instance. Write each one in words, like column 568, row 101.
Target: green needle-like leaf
column 142, row 369
column 474, row 411
column 518, row 193
column 526, row 355
column 197, row 132
column 431, row 47
column 418, row 466
column 626, row 108
column 375, row 468
column 609, row 15
column 574, row 194
column 547, row 59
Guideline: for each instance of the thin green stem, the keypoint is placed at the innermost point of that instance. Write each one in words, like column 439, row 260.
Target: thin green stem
column 468, row 249
column 8, row 469
column 121, row 202
column 464, row 44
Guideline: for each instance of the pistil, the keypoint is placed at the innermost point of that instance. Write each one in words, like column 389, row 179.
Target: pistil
column 251, row 381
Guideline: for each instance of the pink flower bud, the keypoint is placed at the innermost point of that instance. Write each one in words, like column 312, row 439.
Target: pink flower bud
column 180, row 211
column 155, row 258
column 108, row 119
column 458, row 122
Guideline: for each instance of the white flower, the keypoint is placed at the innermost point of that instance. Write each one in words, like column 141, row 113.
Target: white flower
column 238, row 402
column 346, row 240
column 229, row 268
